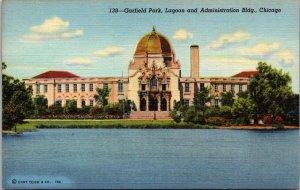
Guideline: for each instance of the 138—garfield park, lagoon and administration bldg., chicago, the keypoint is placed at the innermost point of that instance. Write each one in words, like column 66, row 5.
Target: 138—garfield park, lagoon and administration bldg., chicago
column 154, row 81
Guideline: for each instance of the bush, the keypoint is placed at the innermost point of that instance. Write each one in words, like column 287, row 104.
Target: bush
column 267, row 119
column 226, row 112
column 216, row 121
column 55, row 110
column 189, row 115
column 96, row 110
column 199, row 118
column 279, row 119
column 212, row 112
column 192, row 115
column 176, row 116
column 114, row 109
column 71, row 107
column 84, row 110
column 242, row 120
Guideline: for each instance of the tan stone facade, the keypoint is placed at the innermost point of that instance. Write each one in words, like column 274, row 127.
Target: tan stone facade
column 59, row 90
column 154, row 80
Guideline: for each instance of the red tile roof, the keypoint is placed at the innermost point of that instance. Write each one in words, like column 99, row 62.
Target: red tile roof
column 246, row 74
column 56, row 74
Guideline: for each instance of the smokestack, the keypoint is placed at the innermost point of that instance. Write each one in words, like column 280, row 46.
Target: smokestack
column 194, row 61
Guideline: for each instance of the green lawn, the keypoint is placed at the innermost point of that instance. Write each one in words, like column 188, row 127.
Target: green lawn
column 32, row 125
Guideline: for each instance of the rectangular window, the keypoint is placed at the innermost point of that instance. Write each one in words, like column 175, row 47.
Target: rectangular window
column 58, row 103
column 216, row 102
column 105, row 86
column 186, row 102
column 91, row 103
column 232, row 87
column 164, row 87
column 120, row 87
column 83, row 87
column 216, row 87
column 58, row 87
column 224, row 87
column 82, row 103
column 91, row 87
column 201, row 87
column 38, row 90
column 45, row 88
column 187, row 87
column 75, row 87
column 67, row 88
column 240, row 87
column 143, row 86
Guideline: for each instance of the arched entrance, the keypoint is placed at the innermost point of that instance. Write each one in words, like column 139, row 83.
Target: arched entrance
column 153, row 104
column 163, row 104
column 143, row 105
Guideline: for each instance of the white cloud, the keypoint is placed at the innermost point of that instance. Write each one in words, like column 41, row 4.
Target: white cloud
column 261, row 51
column 110, row 51
column 78, row 61
column 52, row 25
column 52, row 29
column 229, row 39
column 182, row 34
column 286, row 58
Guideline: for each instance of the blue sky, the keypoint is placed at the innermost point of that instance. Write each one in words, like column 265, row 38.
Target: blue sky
column 84, row 38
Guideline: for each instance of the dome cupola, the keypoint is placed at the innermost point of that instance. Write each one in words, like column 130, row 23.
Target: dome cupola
column 153, row 43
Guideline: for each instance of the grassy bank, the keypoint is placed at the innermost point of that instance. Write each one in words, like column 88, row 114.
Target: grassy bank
column 33, row 125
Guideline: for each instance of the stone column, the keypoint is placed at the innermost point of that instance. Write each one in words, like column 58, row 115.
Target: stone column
column 158, row 103
column 147, row 103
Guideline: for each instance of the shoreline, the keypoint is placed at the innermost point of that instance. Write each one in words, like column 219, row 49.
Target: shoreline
column 34, row 125
column 256, row 127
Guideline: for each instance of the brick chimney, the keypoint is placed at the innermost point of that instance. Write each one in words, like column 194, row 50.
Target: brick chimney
column 194, row 61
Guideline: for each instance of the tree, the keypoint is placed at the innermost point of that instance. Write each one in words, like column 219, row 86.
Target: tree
column 243, row 94
column 16, row 101
column 227, row 99
column 243, row 109
column 201, row 98
column 269, row 90
column 102, row 96
column 40, row 105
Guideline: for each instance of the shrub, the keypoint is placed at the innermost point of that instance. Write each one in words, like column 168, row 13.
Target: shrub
column 55, row 110
column 189, row 115
column 114, row 109
column 267, row 119
column 84, row 110
column 279, row 119
column 216, row 121
column 96, row 110
column 212, row 112
column 199, row 118
column 176, row 116
column 242, row 120
column 71, row 107
column 225, row 111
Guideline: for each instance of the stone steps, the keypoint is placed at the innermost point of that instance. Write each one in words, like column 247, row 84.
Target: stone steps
column 149, row 115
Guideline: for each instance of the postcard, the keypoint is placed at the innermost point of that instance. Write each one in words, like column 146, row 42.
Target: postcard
column 130, row 94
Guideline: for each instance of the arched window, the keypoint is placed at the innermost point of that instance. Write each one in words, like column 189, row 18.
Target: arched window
column 153, row 83
column 163, row 105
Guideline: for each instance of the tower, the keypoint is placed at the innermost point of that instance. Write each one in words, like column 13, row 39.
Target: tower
column 194, row 61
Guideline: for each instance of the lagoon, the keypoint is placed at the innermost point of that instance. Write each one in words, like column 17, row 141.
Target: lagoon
column 151, row 158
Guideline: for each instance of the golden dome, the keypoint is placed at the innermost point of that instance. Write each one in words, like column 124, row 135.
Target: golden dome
column 153, row 43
